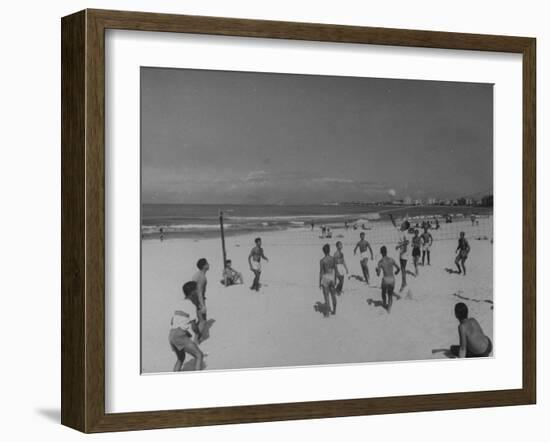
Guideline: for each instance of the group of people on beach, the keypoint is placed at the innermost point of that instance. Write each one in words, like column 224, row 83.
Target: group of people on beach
column 181, row 340
column 332, row 271
column 473, row 342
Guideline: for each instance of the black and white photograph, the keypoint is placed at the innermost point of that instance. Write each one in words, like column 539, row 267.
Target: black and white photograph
column 302, row 220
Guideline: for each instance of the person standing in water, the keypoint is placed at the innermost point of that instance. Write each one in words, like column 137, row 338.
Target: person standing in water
column 364, row 246
column 327, row 280
column 387, row 265
column 254, row 261
column 341, row 267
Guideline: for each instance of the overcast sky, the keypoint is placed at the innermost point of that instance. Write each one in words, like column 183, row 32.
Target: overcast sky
column 245, row 138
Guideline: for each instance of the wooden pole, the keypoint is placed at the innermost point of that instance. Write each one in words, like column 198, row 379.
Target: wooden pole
column 223, row 239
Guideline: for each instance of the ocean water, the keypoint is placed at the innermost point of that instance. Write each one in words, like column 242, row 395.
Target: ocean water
column 204, row 219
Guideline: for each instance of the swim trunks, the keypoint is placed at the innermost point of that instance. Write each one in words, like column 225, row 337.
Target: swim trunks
column 364, row 255
column 416, row 251
column 327, row 280
column 256, row 265
column 388, row 281
column 178, row 338
column 341, row 269
column 485, row 354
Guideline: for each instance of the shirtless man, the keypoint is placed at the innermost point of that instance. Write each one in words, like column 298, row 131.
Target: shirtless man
column 363, row 245
column 327, row 280
column 387, row 264
column 473, row 342
column 403, row 247
column 341, row 267
column 200, row 278
column 462, row 252
column 427, row 241
column 254, row 261
column 416, row 245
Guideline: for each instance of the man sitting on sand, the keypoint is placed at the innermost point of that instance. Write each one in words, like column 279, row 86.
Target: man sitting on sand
column 364, row 246
column 231, row 276
column 200, row 278
column 341, row 267
column 473, row 342
column 327, row 280
column 387, row 264
column 254, row 261
column 180, row 337
column 463, row 250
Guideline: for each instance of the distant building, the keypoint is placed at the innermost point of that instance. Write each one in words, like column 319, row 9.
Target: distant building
column 431, row 201
column 487, row 201
column 417, row 202
column 407, row 200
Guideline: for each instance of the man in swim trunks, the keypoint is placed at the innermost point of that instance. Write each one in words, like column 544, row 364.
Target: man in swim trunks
column 403, row 247
column 179, row 336
column 200, row 278
column 364, row 246
column 341, row 267
column 473, row 342
column 387, row 264
column 254, row 261
column 230, row 275
column 462, row 252
column 327, row 280
column 427, row 241
column 416, row 245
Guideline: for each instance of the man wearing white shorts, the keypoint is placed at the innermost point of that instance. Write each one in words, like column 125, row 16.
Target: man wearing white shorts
column 254, row 261
column 427, row 241
column 364, row 247
column 341, row 267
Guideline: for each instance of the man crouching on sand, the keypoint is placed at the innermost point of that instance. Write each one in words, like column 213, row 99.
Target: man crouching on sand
column 327, row 280
column 473, row 342
column 387, row 264
column 179, row 336
column 254, row 261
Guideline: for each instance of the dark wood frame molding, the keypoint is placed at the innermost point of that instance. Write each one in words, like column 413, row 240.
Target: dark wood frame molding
column 83, row 217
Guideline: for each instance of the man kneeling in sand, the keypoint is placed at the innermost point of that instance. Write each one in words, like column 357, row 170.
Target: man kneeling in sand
column 179, row 336
column 230, row 275
column 327, row 280
column 387, row 264
column 473, row 342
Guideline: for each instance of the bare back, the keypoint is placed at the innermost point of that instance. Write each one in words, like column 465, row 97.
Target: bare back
column 387, row 265
column 476, row 341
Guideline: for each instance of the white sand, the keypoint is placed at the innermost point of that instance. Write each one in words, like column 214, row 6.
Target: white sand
column 279, row 327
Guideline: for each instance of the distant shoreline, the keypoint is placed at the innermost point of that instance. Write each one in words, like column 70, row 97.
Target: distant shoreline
column 202, row 227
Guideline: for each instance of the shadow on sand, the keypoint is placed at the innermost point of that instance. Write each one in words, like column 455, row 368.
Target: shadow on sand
column 322, row 308
column 446, row 351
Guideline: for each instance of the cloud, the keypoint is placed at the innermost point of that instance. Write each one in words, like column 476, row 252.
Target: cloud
column 256, row 175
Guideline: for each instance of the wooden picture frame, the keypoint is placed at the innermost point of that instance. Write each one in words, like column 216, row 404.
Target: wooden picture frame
column 83, row 220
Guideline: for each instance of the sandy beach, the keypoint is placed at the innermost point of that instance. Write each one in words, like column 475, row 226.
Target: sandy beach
column 279, row 326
